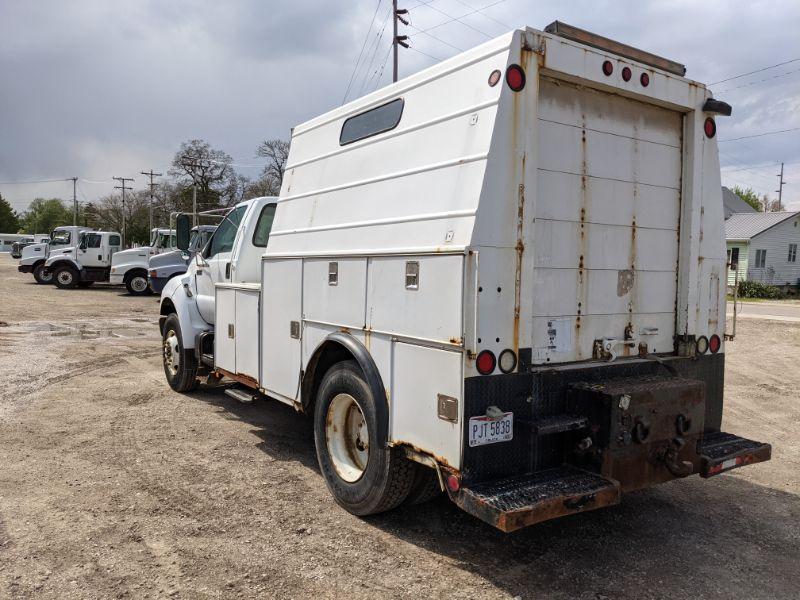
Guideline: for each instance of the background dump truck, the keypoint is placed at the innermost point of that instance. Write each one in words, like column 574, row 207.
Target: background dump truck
column 499, row 277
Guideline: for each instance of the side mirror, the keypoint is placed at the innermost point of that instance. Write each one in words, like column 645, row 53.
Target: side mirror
column 183, row 231
column 83, row 245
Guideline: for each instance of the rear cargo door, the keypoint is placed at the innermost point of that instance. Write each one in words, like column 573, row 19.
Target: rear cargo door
column 606, row 214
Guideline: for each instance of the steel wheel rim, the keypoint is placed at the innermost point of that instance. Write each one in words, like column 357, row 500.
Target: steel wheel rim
column 347, row 437
column 138, row 284
column 64, row 277
column 45, row 275
column 172, row 357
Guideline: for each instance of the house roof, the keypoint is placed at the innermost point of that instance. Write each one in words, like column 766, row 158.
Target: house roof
column 744, row 226
column 733, row 203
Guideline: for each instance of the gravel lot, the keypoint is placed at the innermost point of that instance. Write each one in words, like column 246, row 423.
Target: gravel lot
column 111, row 485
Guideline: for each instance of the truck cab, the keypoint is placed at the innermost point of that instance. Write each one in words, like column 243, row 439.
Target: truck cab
column 85, row 263
column 129, row 267
column 163, row 267
column 188, row 302
column 34, row 256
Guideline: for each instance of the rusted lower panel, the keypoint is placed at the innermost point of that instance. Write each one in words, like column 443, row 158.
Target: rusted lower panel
column 516, row 502
column 243, row 379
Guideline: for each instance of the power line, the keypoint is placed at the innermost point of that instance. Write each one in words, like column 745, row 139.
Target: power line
column 152, row 190
column 363, row 45
column 477, row 10
column 123, row 187
column 446, row 43
column 491, row 18
column 424, row 54
column 378, row 38
column 34, row 181
column 747, row 137
column 744, row 85
column 786, row 62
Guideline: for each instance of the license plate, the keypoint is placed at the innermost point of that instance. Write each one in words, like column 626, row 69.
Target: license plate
column 486, row 430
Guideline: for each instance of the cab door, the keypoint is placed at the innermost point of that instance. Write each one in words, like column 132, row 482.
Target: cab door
column 213, row 264
column 90, row 251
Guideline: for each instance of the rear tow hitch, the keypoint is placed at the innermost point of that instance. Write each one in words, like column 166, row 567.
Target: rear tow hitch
column 669, row 456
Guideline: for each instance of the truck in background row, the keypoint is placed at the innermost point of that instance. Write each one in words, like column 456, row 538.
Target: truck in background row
column 500, row 277
column 129, row 267
column 163, row 267
column 35, row 256
column 87, row 262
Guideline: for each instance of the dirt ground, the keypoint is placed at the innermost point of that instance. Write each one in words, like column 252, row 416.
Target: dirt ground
column 113, row 486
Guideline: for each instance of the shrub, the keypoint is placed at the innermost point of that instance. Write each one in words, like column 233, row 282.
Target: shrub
column 754, row 289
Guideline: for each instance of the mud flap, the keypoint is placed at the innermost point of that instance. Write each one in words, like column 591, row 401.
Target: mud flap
column 720, row 452
column 517, row 502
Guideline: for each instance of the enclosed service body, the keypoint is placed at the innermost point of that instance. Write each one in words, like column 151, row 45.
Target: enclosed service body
column 520, row 250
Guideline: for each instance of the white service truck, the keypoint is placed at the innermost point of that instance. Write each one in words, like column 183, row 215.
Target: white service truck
column 129, row 267
column 35, row 256
column 87, row 262
column 501, row 277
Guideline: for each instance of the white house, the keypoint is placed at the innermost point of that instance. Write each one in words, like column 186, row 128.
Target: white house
column 763, row 246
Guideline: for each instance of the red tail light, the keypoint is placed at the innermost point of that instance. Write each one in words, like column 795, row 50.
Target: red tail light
column 714, row 343
column 515, row 78
column 453, row 484
column 710, row 127
column 486, row 362
column 644, row 79
column 608, row 68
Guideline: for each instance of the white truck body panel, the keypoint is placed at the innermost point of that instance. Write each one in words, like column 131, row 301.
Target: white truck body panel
column 583, row 208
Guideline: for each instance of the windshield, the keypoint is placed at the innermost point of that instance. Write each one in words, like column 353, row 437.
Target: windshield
column 163, row 240
column 60, row 238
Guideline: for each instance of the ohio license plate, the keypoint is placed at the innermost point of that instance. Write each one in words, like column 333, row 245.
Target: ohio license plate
column 486, row 430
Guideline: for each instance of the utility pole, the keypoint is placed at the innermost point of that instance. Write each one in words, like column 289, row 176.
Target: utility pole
column 74, row 201
column 152, row 188
column 781, row 183
column 398, row 40
column 193, row 165
column 123, row 187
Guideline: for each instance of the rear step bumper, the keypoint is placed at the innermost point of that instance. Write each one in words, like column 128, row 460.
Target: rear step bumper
column 517, row 502
column 720, row 452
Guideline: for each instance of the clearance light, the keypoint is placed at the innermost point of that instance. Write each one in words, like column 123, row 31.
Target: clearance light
column 486, row 362
column 453, row 484
column 714, row 343
column 608, row 68
column 710, row 127
column 507, row 360
column 702, row 344
column 626, row 74
column 644, row 79
column 494, row 77
column 515, row 78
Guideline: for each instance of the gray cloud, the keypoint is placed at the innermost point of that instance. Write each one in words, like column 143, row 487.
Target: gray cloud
column 96, row 88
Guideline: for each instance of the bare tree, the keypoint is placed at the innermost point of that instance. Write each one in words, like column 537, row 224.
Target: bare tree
column 276, row 152
column 210, row 170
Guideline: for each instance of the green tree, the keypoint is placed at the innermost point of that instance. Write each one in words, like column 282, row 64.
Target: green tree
column 9, row 220
column 43, row 216
column 749, row 195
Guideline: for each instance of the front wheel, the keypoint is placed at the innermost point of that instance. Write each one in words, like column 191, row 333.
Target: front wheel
column 66, row 278
column 365, row 476
column 180, row 364
column 42, row 274
column 137, row 284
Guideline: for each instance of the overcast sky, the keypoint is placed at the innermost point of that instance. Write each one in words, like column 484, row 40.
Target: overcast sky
column 96, row 89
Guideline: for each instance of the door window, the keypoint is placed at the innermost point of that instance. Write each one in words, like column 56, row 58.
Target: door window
column 114, row 240
column 225, row 234
column 264, row 226
column 92, row 240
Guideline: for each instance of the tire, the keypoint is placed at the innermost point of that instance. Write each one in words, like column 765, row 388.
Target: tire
column 425, row 487
column 364, row 478
column 182, row 377
column 137, row 284
column 66, row 277
column 42, row 275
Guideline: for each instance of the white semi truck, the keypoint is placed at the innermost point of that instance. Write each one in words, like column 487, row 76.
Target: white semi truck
column 87, row 262
column 501, row 277
column 35, row 256
column 130, row 267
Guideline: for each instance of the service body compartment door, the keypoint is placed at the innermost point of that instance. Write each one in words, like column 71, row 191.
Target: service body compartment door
column 225, row 331
column 247, row 333
column 606, row 222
